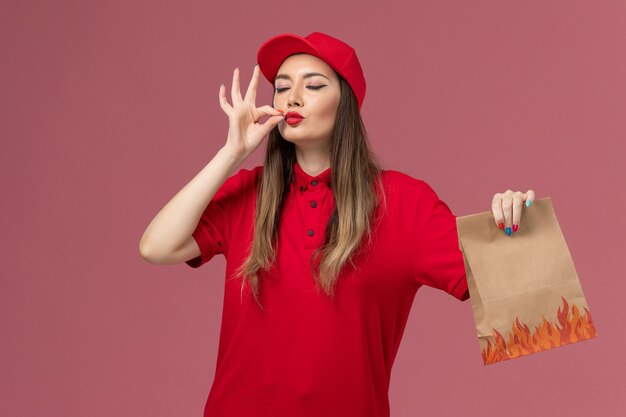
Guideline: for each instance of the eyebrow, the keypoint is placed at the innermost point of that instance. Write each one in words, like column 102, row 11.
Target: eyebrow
column 307, row 75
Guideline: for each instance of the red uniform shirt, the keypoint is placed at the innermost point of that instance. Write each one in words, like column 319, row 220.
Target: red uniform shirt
column 305, row 354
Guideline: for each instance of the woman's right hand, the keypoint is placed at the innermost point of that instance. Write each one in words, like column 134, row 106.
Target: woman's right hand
column 245, row 134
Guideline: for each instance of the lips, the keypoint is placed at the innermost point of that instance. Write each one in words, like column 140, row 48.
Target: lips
column 293, row 118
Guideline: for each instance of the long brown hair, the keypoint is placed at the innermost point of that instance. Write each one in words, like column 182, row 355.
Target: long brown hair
column 355, row 179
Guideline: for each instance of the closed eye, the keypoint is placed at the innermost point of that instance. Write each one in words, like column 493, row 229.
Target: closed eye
column 312, row 87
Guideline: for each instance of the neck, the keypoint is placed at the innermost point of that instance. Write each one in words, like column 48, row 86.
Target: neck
column 313, row 161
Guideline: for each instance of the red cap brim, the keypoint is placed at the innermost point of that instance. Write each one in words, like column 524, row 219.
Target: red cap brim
column 276, row 49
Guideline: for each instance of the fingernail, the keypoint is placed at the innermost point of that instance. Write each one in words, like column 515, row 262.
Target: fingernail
column 501, row 225
column 515, row 227
column 281, row 111
column 508, row 231
column 528, row 203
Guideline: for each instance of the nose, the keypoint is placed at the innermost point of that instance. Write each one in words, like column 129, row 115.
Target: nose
column 294, row 98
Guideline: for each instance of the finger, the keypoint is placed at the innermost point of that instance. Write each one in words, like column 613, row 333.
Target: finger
column 518, row 203
column 251, row 91
column 496, row 208
column 258, row 113
column 507, row 209
column 271, row 123
column 529, row 197
column 268, row 110
column 234, row 90
column 223, row 102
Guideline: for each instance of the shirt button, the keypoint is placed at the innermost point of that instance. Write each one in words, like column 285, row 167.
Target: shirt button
column 310, row 232
column 313, row 204
column 313, row 182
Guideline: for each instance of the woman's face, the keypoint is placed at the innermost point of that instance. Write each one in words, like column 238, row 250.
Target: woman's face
column 315, row 97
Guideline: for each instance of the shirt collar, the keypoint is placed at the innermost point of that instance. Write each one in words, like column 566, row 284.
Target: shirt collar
column 302, row 179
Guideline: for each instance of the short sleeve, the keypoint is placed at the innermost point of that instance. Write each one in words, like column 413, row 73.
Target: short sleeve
column 214, row 230
column 438, row 260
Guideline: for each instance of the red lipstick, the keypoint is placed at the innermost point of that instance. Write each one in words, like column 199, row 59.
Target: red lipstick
column 293, row 118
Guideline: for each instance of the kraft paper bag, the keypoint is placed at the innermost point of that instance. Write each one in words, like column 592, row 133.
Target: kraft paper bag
column 524, row 290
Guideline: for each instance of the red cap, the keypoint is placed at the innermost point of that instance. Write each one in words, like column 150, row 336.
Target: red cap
column 339, row 55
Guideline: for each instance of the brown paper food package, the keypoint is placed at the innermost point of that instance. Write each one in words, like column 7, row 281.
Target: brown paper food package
column 524, row 290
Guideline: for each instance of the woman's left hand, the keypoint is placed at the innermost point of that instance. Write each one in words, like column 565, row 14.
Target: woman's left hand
column 507, row 208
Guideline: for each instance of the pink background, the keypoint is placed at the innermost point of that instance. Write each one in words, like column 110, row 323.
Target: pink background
column 109, row 108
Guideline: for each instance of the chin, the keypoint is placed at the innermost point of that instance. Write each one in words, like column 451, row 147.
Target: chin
column 299, row 135
column 290, row 136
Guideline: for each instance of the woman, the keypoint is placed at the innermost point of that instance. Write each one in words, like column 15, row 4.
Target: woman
column 325, row 250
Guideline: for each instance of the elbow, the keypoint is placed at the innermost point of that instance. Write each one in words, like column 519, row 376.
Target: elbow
column 145, row 251
column 153, row 254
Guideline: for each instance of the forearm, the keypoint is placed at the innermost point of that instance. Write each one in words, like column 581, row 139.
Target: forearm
column 174, row 224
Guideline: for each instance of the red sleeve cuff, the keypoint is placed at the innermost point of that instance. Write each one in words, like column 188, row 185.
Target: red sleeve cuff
column 461, row 291
column 206, row 252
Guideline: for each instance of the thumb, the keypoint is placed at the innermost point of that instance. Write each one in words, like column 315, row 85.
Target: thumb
column 529, row 197
column 271, row 122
